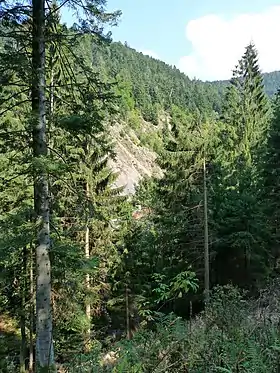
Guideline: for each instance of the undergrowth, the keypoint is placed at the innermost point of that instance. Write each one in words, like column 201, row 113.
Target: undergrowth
column 232, row 335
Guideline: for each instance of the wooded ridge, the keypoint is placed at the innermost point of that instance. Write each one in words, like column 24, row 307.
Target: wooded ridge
column 139, row 209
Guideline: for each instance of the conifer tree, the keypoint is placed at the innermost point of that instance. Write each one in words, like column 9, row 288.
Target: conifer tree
column 271, row 182
column 241, row 236
column 15, row 181
column 35, row 51
column 246, row 108
column 170, row 243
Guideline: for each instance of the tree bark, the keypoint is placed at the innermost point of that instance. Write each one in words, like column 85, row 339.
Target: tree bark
column 22, row 312
column 206, row 238
column 87, row 255
column 31, row 314
column 23, row 341
column 44, row 342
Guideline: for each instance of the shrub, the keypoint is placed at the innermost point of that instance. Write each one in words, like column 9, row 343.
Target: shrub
column 227, row 337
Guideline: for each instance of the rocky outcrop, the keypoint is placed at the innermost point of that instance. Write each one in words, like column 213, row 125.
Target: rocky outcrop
column 132, row 161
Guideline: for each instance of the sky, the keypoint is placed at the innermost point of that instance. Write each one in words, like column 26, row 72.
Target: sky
column 203, row 38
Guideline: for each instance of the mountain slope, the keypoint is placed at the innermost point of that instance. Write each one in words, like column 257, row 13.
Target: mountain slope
column 271, row 83
column 133, row 160
column 149, row 84
column 148, row 89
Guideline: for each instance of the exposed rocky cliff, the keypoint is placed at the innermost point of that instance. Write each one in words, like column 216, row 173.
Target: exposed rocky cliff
column 133, row 161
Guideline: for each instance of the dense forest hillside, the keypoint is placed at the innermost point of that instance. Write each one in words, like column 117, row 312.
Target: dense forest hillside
column 150, row 81
column 271, row 83
column 148, row 89
column 139, row 210
column 153, row 84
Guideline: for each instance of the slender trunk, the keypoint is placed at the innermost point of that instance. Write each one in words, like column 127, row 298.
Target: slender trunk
column 128, row 328
column 22, row 313
column 191, row 315
column 23, row 341
column 52, row 91
column 206, row 239
column 87, row 276
column 44, row 342
column 87, row 255
column 31, row 313
column 88, row 308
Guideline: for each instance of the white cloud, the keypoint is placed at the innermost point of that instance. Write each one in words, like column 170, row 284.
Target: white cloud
column 218, row 43
column 150, row 53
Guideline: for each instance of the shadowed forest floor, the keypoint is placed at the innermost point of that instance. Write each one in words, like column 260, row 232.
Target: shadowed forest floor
column 9, row 340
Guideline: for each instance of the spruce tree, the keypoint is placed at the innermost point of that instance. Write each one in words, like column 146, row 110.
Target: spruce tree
column 34, row 18
column 271, row 182
column 238, row 212
column 15, row 183
column 246, row 109
column 170, row 242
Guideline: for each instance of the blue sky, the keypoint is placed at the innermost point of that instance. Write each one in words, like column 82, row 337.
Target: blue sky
column 204, row 38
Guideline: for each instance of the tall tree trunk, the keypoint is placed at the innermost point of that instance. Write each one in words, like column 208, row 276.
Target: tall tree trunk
column 206, row 239
column 22, row 312
column 44, row 342
column 31, row 313
column 23, row 340
column 87, row 255
column 52, row 90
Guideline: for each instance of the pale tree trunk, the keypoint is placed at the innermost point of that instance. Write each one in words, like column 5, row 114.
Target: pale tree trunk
column 206, row 239
column 44, row 342
column 22, row 313
column 52, row 91
column 31, row 313
column 23, row 341
column 87, row 255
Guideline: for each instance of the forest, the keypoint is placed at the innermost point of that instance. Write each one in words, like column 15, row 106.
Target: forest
column 181, row 276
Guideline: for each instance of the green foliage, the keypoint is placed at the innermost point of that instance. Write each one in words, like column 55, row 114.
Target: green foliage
column 78, row 106
column 148, row 271
column 271, row 84
column 246, row 107
column 172, row 236
column 227, row 337
column 151, row 85
column 134, row 120
column 179, row 285
column 271, row 175
column 238, row 213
